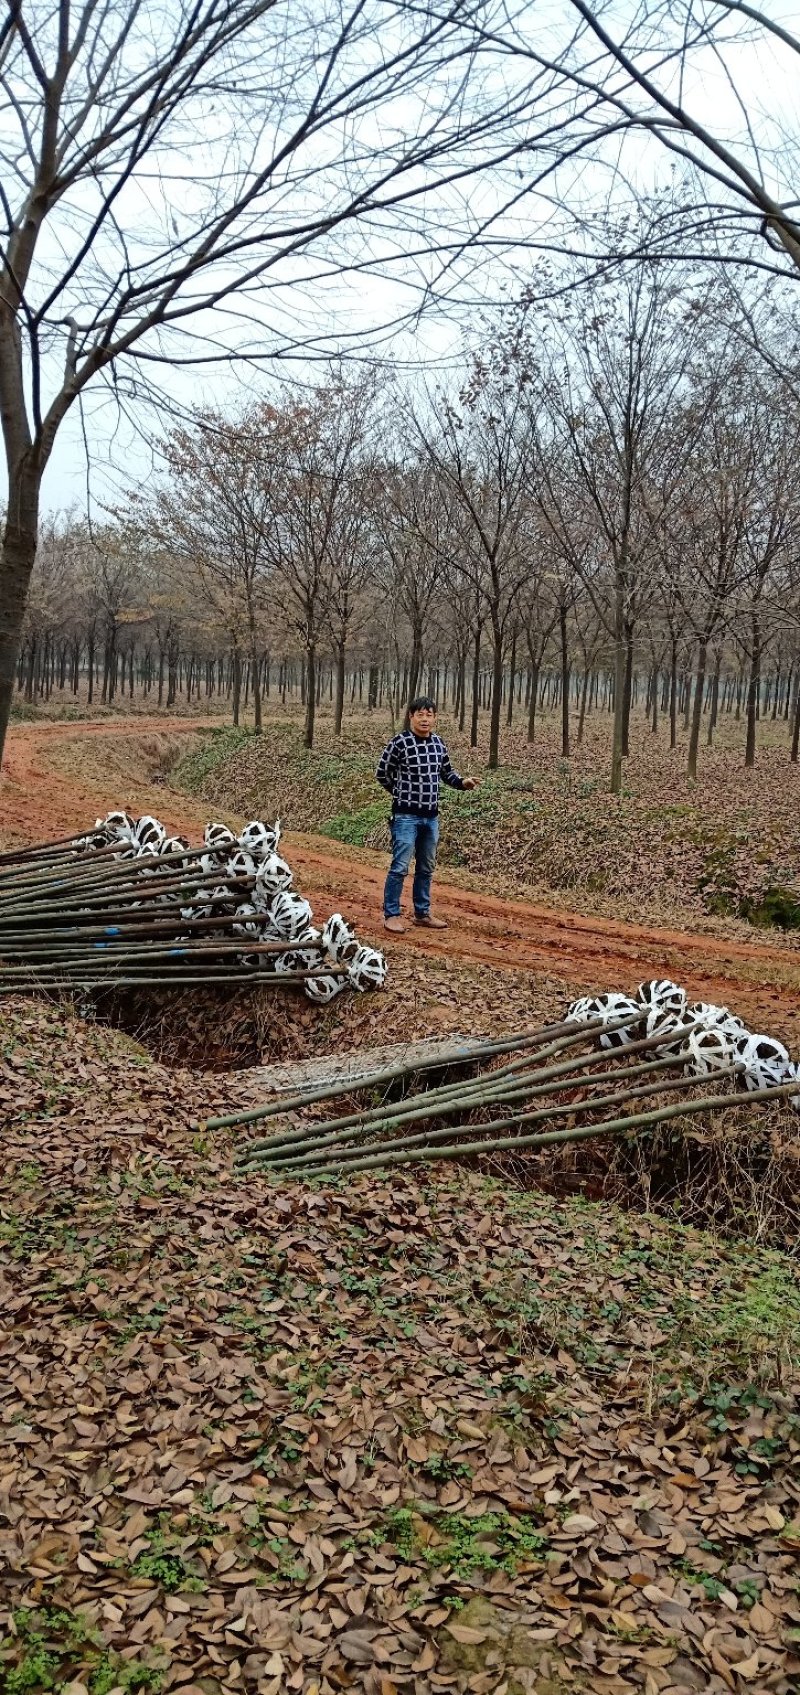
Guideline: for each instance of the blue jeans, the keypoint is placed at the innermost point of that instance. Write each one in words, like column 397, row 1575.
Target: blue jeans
column 417, row 838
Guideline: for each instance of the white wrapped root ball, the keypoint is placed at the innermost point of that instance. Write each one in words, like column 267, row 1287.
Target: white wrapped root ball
column 338, row 939
column 608, row 1008
column 240, row 864
column 288, row 915
column 117, row 826
column 621, row 1006
column 150, row 834
column 712, row 1017
column 367, row 969
column 260, row 839
column 247, row 921
column 585, row 1009
column 766, row 1061
column 324, row 989
column 671, row 1029
column 661, row 997
column 218, row 836
column 272, row 875
column 708, row 1050
column 174, row 844
column 296, row 959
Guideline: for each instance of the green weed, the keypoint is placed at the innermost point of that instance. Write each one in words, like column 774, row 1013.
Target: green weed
column 356, row 827
column 56, row 1646
column 491, row 1542
column 163, row 1563
column 195, row 768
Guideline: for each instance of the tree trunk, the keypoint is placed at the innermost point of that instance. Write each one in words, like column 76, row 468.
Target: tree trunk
column 311, row 695
column 753, row 687
column 497, row 699
column 617, row 740
column 584, row 697
column 687, row 699
column 562, row 625
column 462, row 688
column 697, row 713
column 627, row 694
column 255, row 670
column 237, row 687
column 512, row 677
column 415, row 668
column 534, row 701
column 673, row 694
column 16, row 564
column 796, row 723
column 476, row 679
column 30, row 669
column 338, row 703
column 714, row 713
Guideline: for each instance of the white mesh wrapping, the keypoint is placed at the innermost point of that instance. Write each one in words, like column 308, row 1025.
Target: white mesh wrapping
column 289, row 915
column 260, row 839
column 322, row 989
column 663, row 997
column 219, row 836
column 707, row 1050
column 338, row 939
column 367, row 969
column 240, row 864
column 766, row 1061
column 271, row 875
column 296, row 959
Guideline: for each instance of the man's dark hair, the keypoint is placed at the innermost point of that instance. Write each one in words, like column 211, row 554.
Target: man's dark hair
column 419, row 703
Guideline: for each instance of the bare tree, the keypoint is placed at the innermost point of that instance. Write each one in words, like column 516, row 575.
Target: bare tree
column 613, row 391
column 212, row 517
column 350, row 409
column 769, row 421
column 481, row 449
column 310, row 451
column 159, row 159
column 419, row 534
column 646, row 67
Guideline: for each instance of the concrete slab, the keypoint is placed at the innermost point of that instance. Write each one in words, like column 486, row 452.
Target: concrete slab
column 260, row 1082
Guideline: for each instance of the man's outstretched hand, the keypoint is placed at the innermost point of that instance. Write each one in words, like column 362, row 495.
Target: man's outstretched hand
column 471, row 782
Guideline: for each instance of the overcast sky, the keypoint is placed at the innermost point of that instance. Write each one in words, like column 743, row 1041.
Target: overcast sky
column 367, row 315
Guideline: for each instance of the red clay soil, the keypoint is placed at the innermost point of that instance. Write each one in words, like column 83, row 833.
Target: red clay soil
column 38, row 801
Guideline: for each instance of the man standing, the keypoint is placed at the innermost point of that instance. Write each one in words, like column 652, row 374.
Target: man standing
column 410, row 769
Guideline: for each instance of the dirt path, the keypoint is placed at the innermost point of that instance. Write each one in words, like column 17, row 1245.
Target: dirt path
column 58, row 776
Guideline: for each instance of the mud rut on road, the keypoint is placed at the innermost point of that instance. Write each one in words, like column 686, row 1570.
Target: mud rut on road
column 40, row 801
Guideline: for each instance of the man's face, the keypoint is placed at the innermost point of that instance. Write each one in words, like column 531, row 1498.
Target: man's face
column 423, row 721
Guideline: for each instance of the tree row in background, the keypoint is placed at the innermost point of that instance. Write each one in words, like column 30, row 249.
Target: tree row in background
column 602, row 512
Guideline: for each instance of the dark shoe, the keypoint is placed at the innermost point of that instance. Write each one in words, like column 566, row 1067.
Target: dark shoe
column 396, row 925
column 429, row 923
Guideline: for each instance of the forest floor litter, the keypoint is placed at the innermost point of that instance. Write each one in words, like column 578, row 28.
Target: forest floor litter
column 443, row 1432
column 421, row 1435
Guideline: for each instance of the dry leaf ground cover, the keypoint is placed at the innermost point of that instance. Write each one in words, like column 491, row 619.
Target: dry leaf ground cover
column 409, row 1436
column 677, row 850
